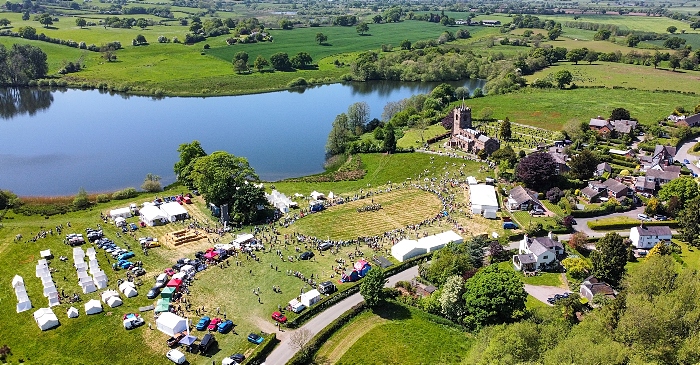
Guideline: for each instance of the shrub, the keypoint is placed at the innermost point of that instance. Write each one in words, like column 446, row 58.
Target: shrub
column 298, row 82
column 124, row 194
column 102, row 198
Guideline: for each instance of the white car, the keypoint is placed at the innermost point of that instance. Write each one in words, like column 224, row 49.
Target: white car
column 176, row 356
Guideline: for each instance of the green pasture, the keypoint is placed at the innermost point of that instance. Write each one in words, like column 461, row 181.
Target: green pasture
column 639, row 23
column 398, row 335
column 691, row 39
column 630, row 76
column 412, row 137
column 551, row 109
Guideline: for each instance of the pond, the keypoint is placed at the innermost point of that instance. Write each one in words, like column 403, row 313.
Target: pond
column 55, row 142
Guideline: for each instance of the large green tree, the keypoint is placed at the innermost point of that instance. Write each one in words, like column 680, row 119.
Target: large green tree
column 505, row 132
column 389, row 143
column 358, row 117
column 689, row 220
column 583, row 165
column 685, row 188
column 340, row 135
column 372, row 286
column 609, row 259
column 189, row 152
column 223, row 178
column 494, row 295
column 451, row 301
column 301, row 60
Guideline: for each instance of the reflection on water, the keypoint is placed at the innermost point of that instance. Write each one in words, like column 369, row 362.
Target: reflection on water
column 15, row 101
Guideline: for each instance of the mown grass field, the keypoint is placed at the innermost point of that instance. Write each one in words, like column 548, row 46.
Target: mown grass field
column 552, row 109
column 396, row 334
column 640, row 23
column 631, row 76
column 412, row 137
column 399, row 208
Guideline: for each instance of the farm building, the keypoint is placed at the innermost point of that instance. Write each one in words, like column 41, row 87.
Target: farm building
column 483, row 200
column 173, row 211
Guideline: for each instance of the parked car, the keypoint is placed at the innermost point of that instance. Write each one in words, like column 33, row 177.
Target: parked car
column 255, row 338
column 133, row 226
column 176, row 356
column 686, row 162
column 327, row 287
column 206, row 343
column 154, row 292
column 203, row 323
column 225, row 326
column 324, row 246
column 279, row 317
column 169, row 272
column 643, row 217
column 132, row 320
column 126, row 255
column 306, row 255
column 214, row 324
column 660, row 217
column 510, row 225
column 238, row 358
column 536, row 212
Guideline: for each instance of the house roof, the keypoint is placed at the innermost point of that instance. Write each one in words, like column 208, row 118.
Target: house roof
column 642, row 183
column 548, row 242
column 691, row 121
column 520, row 195
column 597, row 286
column 527, row 258
column 559, row 158
column 604, row 166
column 614, row 185
column 599, row 123
column 653, row 230
column 663, row 175
column 589, row 192
column 665, row 150
column 624, row 126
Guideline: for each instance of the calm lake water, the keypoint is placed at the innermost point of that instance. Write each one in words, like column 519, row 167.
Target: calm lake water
column 54, row 142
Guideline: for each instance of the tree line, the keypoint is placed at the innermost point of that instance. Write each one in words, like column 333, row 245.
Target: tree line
column 21, row 64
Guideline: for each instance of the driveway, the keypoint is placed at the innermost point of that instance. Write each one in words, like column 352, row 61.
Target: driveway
column 543, row 292
column 682, row 154
column 582, row 223
column 284, row 351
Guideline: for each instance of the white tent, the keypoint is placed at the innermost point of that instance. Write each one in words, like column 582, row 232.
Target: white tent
column 72, row 312
column 45, row 319
column 111, row 298
column 23, row 302
column 17, row 281
column 93, row 307
column 174, row 211
column 151, row 215
column 121, row 212
column 119, row 221
column 241, row 239
column 310, row 298
column 128, row 288
column 170, row 323
column 438, row 241
column 316, row 195
column 46, row 254
column 482, row 198
column 331, row 195
column 279, row 201
column 405, row 249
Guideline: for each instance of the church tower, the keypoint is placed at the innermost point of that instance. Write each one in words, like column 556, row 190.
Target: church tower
column 462, row 118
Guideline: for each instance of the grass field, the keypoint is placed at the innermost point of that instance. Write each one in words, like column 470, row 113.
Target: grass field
column 551, row 109
column 412, row 137
column 631, row 76
column 640, row 23
column 396, row 334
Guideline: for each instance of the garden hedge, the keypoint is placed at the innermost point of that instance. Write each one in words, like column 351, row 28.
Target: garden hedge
column 609, row 226
column 260, row 353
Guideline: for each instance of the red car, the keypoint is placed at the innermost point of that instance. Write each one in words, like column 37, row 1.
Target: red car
column 279, row 317
column 214, row 323
column 169, row 271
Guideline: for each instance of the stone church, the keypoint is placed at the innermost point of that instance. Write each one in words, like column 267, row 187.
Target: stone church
column 468, row 139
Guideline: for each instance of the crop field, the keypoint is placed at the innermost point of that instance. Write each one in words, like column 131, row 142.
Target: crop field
column 551, row 109
column 399, row 208
column 395, row 334
column 624, row 75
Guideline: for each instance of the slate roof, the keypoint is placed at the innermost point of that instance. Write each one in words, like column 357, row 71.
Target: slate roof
column 520, row 195
column 642, row 183
column 614, row 185
column 653, row 230
column 599, row 123
column 663, row 174
column 598, row 287
column 604, row 166
column 548, row 243
column 589, row 192
column 664, row 151
column 527, row 258
column 624, row 126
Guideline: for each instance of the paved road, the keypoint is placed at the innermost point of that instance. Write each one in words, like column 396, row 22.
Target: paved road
column 582, row 223
column 682, row 154
column 284, row 351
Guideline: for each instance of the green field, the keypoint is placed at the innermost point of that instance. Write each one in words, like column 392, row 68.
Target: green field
column 396, row 334
column 551, row 109
column 639, row 23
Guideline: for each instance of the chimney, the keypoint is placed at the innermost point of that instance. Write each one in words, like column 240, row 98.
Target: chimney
column 550, row 235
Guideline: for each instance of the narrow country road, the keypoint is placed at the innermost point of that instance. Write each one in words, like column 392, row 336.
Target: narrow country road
column 682, row 154
column 284, row 351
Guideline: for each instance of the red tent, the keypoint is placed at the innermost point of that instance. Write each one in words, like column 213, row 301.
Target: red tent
column 210, row 255
column 174, row 283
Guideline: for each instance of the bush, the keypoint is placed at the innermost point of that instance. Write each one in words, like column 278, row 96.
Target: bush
column 298, row 82
column 102, row 198
column 617, row 225
column 125, row 194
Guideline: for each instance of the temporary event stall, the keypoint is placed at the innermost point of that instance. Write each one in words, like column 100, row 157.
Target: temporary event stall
column 359, row 270
column 45, row 319
column 171, row 324
column 93, row 307
column 72, row 312
column 162, row 305
column 120, row 212
column 471, row 180
column 280, row 201
column 46, row 254
column 128, row 288
column 151, row 215
column 438, row 241
column 119, row 221
column 167, row 292
column 174, row 211
column 310, row 298
column 296, row 306
column 23, row 303
column 174, row 283
column 405, row 249
column 111, row 298
column 483, row 199
column 315, row 195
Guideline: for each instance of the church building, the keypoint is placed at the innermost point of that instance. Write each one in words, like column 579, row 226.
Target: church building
column 466, row 138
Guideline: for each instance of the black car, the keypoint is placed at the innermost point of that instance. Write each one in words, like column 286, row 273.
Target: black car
column 306, row 255
column 238, row 358
column 154, row 292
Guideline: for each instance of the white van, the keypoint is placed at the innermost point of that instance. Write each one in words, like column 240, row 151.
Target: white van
column 643, row 217
column 176, row 356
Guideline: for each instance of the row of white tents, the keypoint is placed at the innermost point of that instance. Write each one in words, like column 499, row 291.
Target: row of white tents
column 99, row 278
column 405, row 249
column 50, row 291
column 280, row 201
column 151, row 214
column 23, row 302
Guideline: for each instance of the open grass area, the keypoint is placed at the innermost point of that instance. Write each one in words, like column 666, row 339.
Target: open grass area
column 639, row 23
column 399, row 208
column 551, row 109
column 397, row 335
column 630, row 76
column 412, row 137
column 524, row 219
column 545, row 278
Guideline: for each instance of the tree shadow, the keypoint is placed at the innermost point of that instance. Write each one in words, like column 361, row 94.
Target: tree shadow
column 365, row 34
column 325, row 44
column 391, row 310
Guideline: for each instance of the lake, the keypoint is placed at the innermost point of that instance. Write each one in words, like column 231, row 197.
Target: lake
column 55, row 142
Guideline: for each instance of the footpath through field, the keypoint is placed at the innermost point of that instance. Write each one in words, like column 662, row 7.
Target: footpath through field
column 284, row 351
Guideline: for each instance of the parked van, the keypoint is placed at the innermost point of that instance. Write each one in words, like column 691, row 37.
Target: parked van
column 206, row 343
column 176, row 356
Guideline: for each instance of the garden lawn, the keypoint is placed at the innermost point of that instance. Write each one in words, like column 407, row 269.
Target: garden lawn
column 610, row 74
column 552, row 109
column 399, row 335
column 399, row 209
column 524, row 220
column 544, row 278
